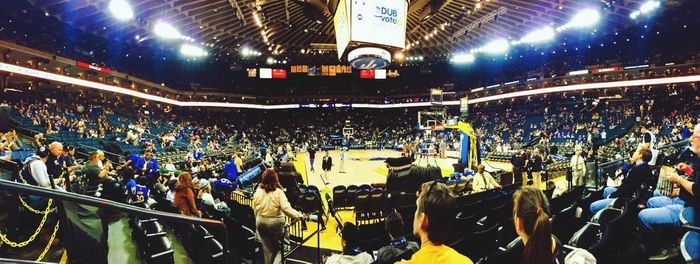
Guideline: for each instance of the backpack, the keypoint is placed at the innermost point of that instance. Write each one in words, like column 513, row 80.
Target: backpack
column 26, row 173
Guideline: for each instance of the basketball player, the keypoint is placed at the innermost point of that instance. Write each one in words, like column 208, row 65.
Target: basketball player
column 342, row 159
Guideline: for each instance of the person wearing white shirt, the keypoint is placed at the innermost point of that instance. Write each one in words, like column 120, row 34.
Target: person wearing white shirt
column 483, row 180
column 170, row 167
column 270, row 205
column 578, row 168
column 604, row 135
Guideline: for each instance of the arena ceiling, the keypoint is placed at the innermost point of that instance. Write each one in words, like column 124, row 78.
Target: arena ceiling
column 290, row 26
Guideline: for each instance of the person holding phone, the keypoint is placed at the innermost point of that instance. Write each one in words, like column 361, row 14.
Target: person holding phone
column 663, row 210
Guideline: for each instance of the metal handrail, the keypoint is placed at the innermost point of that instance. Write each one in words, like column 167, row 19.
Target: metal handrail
column 11, row 186
column 295, row 228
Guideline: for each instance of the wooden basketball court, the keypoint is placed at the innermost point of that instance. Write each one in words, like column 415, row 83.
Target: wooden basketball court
column 361, row 167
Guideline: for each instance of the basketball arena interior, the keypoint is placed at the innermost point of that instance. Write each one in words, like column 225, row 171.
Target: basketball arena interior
column 349, row 131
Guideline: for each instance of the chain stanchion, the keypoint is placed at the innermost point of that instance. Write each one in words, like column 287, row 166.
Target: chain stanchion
column 31, row 209
column 48, row 246
column 13, row 244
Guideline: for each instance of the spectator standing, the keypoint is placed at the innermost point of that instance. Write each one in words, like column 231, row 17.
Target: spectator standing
column 432, row 223
column 536, row 168
column 518, row 163
column 648, row 140
column 270, row 205
column 231, row 170
column 578, row 167
column 184, row 196
column 443, row 148
column 238, row 161
column 148, row 166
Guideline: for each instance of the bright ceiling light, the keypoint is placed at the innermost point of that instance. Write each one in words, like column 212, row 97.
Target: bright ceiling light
column 463, row 58
column 166, row 31
column 645, row 8
column 270, row 60
column 496, row 47
column 649, row 6
column 538, row 36
column 192, row 51
column 399, row 56
column 257, row 19
column 585, row 18
column 635, row 14
column 121, row 10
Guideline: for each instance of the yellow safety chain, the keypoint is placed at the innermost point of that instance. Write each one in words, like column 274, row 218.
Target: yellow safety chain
column 5, row 240
column 24, row 203
column 31, row 209
column 48, row 246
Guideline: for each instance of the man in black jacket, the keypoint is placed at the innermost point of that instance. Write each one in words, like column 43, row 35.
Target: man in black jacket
column 518, row 163
column 634, row 179
column 326, row 165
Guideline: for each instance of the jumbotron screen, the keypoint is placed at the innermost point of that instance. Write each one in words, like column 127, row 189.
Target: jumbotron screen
column 361, row 20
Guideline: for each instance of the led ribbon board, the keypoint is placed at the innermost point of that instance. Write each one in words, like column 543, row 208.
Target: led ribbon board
column 109, row 88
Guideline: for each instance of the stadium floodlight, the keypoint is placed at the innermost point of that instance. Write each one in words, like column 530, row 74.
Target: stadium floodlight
column 496, row 47
column 166, row 31
column 635, row 14
column 192, row 51
column 538, row 36
column 645, row 8
column 121, row 10
column 463, row 58
column 585, row 18
column 649, row 6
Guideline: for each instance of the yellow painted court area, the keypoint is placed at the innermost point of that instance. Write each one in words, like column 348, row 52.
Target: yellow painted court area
column 360, row 169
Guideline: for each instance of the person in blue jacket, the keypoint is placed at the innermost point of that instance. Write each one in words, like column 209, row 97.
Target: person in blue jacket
column 147, row 166
column 231, row 170
column 131, row 159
